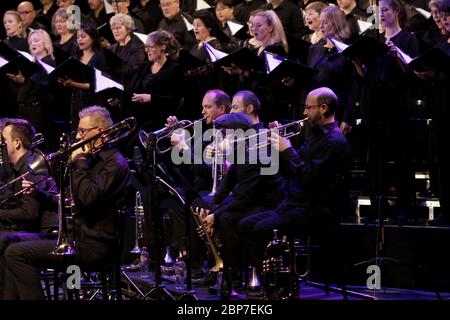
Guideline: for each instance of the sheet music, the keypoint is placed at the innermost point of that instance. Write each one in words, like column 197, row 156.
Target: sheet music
column 272, row 61
column 103, row 83
column 234, row 27
column 213, row 53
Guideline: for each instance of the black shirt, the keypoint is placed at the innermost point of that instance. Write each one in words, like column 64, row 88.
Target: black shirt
column 178, row 28
column 290, row 16
column 250, row 188
column 99, row 188
column 318, row 169
column 22, row 212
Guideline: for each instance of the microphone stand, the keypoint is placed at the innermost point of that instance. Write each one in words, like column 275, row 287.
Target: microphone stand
column 158, row 292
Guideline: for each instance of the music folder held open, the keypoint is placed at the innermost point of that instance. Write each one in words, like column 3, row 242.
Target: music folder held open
column 365, row 48
column 434, row 59
column 73, row 69
column 279, row 67
column 13, row 62
column 243, row 58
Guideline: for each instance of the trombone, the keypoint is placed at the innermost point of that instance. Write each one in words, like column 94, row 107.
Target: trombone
column 66, row 245
column 38, row 165
column 165, row 133
column 108, row 136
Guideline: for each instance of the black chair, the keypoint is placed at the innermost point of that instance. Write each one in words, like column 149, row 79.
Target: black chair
column 104, row 279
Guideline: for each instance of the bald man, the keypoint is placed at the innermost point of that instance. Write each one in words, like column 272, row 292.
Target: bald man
column 28, row 15
column 317, row 193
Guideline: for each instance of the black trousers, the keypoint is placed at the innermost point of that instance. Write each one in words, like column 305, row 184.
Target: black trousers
column 6, row 239
column 256, row 230
column 24, row 259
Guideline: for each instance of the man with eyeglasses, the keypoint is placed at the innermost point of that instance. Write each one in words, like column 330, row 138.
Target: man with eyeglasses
column 28, row 15
column 100, row 186
column 176, row 22
column 317, row 194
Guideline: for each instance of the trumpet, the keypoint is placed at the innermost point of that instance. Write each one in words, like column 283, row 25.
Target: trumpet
column 164, row 134
column 139, row 224
column 286, row 131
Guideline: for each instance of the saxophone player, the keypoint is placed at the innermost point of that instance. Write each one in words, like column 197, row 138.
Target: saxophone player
column 100, row 182
column 22, row 217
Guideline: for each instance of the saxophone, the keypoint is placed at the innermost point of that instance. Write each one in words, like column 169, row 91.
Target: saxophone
column 213, row 242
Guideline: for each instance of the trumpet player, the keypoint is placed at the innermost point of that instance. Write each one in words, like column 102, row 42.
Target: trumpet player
column 22, row 217
column 195, row 180
column 317, row 191
column 100, row 183
column 251, row 192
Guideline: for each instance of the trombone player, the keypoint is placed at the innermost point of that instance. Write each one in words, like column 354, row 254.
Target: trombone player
column 100, row 182
column 22, row 217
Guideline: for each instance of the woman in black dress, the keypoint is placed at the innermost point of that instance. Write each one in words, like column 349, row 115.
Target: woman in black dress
column 387, row 104
column 35, row 99
column 157, row 88
column 90, row 54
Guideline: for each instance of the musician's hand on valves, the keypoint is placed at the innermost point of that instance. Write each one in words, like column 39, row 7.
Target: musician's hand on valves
column 210, row 151
column 278, row 142
column 29, row 187
column 209, row 221
column 171, row 121
column 273, row 125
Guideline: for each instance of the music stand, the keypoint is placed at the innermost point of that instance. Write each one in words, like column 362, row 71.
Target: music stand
column 159, row 291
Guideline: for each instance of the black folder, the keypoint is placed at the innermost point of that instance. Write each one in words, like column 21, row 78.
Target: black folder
column 188, row 61
column 73, row 69
column 298, row 48
column 365, row 48
column 7, row 52
column 434, row 59
column 291, row 69
column 22, row 64
column 243, row 58
column 104, row 31
column 60, row 55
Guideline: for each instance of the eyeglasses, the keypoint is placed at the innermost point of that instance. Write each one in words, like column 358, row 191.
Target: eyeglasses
column 166, row 4
column 442, row 15
column 148, row 48
column 25, row 12
column 84, row 131
column 309, row 107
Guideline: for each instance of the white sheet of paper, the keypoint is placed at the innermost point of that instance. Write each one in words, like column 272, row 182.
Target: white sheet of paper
column 213, row 53
column 108, row 7
column 141, row 36
column 363, row 26
column 234, row 27
column 103, row 83
column 423, row 12
column 202, row 5
column 272, row 61
column 188, row 25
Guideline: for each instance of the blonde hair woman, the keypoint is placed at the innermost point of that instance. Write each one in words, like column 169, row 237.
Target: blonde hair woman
column 15, row 32
column 268, row 30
